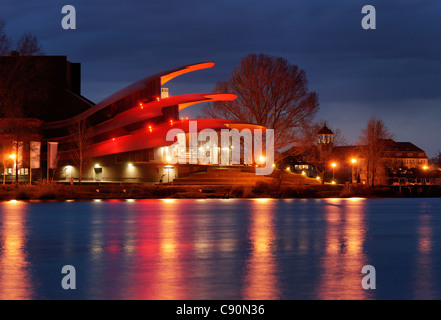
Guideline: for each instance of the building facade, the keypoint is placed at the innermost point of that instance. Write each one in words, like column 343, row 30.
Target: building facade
column 399, row 160
column 124, row 137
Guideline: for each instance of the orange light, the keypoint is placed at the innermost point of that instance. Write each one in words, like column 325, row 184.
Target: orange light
column 333, row 164
column 157, row 99
column 353, row 160
column 150, row 128
column 113, row 139
column 171, row 122
column 167, row 77
column 182, row 118
column 12, row 156
column 140, row 104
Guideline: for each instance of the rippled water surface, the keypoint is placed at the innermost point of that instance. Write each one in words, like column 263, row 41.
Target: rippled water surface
column 221, row 249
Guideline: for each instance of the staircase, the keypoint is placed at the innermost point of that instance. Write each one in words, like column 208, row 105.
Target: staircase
column 223, row 176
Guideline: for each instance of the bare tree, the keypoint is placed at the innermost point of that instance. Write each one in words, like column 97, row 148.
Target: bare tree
column 81, row 142
column 22, row 87
column 28, row 45
column 21, row 82
column 5, row 41
column 5, row 154
column 271, row 93
column 372, row 144
column 436, row 160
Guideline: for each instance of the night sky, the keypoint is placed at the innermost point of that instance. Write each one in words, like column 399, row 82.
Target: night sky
column 393, row 72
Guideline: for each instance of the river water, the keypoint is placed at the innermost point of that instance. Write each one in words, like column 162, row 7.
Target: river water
column 221, row 249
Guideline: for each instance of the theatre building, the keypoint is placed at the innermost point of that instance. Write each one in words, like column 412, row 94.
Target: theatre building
column 121, row 139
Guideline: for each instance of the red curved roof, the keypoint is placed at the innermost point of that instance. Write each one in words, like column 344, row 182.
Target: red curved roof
column 139, row 85
column 153, row 109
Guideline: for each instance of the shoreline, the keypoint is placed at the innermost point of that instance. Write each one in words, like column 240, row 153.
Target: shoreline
column 63, row 192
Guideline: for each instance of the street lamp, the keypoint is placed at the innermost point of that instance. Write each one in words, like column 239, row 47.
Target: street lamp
column 333, row 165
column 425, row 167
column 353, row 161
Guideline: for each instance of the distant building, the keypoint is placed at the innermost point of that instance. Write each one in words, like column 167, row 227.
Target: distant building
column 401, row 159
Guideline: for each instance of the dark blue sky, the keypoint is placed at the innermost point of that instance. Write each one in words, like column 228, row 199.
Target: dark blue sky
column 393, row 72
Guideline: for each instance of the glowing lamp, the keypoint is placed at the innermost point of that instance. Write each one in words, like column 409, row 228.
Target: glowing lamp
column 333, row 164
column 353, row 160
column 12, row 156
column 150, row 128
column 262, row 159
column 130, row 165
column 168, row 159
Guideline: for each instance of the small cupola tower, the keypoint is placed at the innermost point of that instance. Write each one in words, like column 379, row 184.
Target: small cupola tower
column 325, row 138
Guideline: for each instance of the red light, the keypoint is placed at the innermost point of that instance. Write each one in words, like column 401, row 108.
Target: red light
column 182, row 118
column 171, row 122
column 186, row 118
column 150, row 128
column 113, row 139
column 140, row 104
column 157, row 99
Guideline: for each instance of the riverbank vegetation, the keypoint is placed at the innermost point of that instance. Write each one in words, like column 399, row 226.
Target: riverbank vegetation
column 61, row 192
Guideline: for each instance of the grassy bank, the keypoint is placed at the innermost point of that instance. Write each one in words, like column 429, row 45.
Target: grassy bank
column 55, row 191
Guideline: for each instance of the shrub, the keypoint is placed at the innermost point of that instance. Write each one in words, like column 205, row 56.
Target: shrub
column 237, row 192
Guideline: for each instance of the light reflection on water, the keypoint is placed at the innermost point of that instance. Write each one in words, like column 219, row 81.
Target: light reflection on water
column 221, row 249
column 343, row 255
column 424, row 284
column 261, row 281
column 15, row 277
